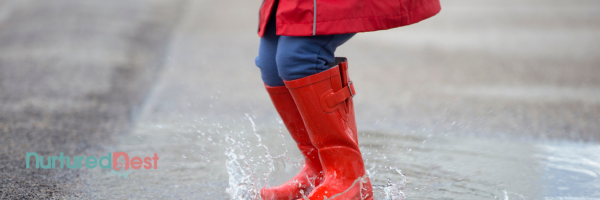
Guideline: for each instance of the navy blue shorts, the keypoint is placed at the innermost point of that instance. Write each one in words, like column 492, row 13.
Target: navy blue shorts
column 290, row 58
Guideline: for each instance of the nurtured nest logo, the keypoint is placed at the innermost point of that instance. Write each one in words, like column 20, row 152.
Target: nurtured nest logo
column 117, row 166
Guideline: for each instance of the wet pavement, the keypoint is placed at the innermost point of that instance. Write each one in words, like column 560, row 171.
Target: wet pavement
column 194, row 156
column 487, row 100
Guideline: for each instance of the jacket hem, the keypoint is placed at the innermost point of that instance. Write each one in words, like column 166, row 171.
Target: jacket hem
column 363, row 24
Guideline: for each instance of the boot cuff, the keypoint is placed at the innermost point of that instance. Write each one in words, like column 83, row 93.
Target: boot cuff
column 277, row 89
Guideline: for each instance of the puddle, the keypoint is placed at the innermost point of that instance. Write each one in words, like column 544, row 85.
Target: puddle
column 570, row 170
column 195, row 158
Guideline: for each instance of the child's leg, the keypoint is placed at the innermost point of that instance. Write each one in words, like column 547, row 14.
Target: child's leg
column 298, row 57
column 266, row 56
column 323, row 95
column 310, row 175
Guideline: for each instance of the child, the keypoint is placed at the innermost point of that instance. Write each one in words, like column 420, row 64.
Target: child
column 312, row 91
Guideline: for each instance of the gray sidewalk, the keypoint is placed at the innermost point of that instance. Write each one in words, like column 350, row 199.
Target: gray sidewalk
column 72, row 77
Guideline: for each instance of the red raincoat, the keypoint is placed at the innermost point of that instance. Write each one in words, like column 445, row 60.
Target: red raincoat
column 327, row 17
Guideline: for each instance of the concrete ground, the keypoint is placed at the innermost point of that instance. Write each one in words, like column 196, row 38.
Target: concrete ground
column 510, row 73
column 73, row 75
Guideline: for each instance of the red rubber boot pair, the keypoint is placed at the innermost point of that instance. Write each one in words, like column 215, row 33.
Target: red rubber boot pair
column 324, row 103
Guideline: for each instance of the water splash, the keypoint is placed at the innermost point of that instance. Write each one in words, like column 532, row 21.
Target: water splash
column 392, row 190
column 395, row 191
column 244, row 169
column 242, row 182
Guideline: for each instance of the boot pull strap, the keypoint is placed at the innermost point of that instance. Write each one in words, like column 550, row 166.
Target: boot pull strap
column 333, row 99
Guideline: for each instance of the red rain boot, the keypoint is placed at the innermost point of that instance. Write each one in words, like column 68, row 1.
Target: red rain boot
column 325, row 103
column 311, row 174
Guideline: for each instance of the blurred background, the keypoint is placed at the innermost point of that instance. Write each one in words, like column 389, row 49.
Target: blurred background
column 489, row 99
